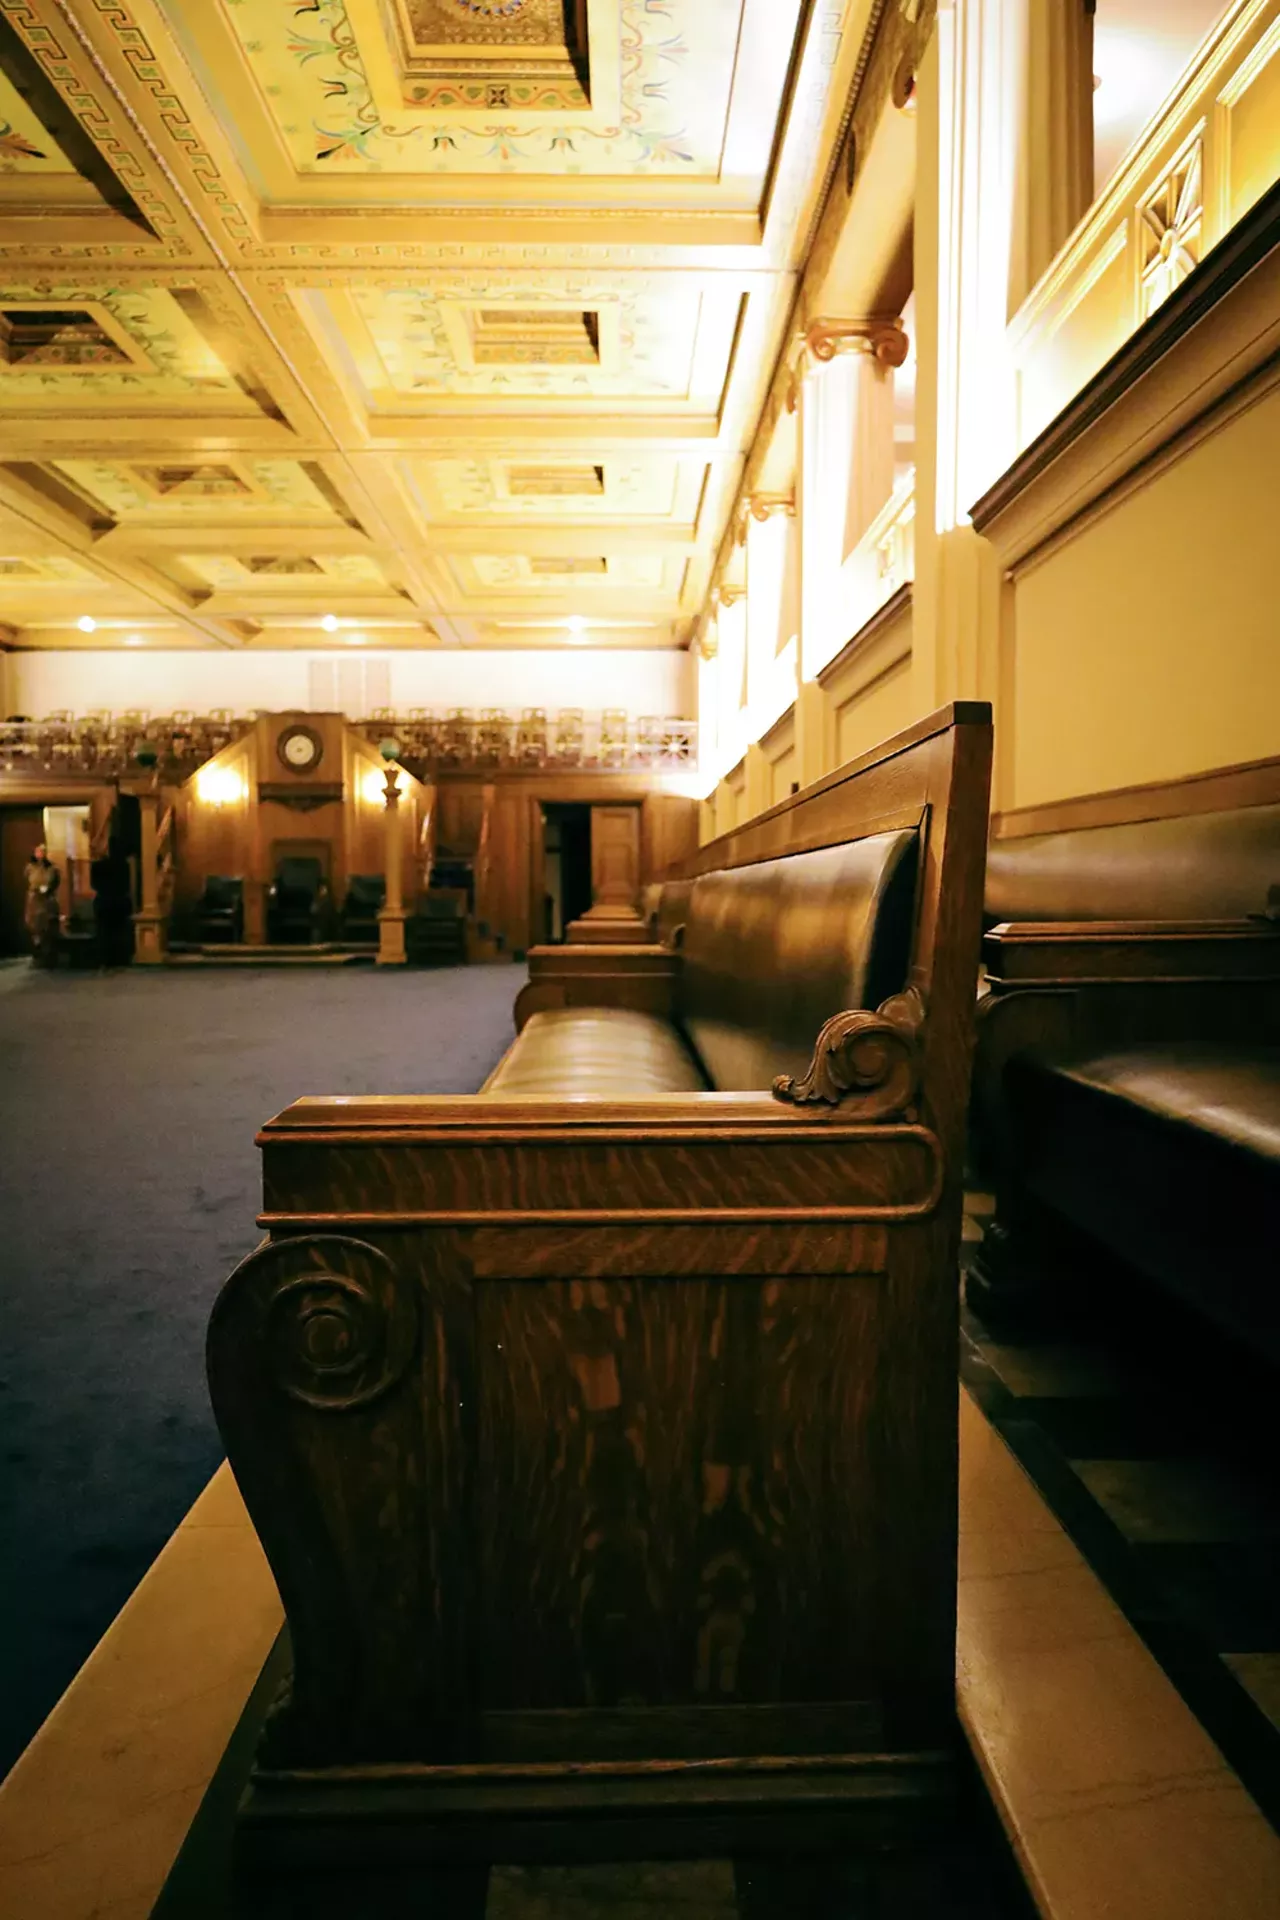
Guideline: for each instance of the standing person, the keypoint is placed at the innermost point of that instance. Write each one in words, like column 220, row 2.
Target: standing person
column 41, row 913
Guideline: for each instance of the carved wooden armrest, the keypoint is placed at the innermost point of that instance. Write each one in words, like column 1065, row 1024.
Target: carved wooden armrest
column 1078, row 952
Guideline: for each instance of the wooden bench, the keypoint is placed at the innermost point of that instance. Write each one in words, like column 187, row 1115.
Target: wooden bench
column 1127, row 1083
column 600, row 1429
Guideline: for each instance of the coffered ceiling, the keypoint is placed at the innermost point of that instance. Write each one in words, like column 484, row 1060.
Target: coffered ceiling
column 448, row 321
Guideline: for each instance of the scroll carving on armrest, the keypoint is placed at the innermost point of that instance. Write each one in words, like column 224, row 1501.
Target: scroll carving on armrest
column 332, row 1390
column 868, row 1064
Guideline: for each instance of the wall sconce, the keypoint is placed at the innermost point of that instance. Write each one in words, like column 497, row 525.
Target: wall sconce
column 220, row 786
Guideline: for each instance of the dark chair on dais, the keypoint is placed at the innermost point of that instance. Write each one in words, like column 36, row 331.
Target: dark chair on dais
column 365, row 897
column 219, row 912
column 297, row 901
column 600, row 1428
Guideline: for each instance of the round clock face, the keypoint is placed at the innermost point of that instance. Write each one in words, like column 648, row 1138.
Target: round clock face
column 300, row 749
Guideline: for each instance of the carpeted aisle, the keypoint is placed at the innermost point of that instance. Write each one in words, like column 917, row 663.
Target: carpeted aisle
column 128, row 1106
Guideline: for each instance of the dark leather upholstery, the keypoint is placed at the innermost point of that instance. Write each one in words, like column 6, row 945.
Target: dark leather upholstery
column 1205, row 866
column 366, row 895
column 1230, row 1092
column 597, row 1053
column 219, row 912
column 1169, row 1155
column 772, row 951
column 296, row 898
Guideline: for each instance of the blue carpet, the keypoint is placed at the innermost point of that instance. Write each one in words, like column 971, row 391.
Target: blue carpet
column 128, row 1106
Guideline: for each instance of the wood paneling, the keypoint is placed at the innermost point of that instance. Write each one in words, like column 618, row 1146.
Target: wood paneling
column 615, row 856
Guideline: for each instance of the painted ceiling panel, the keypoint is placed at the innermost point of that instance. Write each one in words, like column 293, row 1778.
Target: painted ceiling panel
column 419, row 343
column 343, row 93
column 241, row 487
column 551, row 488
column 229, row 573
column 25, row 145
column 407, row 278
column 149, row 348
column 534, row 573
column 45, row 569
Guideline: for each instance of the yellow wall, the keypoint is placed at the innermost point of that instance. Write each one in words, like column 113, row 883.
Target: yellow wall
column 1147, row 646
column 872, row 696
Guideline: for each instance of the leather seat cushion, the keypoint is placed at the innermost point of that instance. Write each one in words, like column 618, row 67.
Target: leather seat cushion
column 1169, row 1156
column 1231, row 1093
column 597, row 1053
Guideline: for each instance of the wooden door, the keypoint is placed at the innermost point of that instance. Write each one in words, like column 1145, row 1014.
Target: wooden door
column 21, row 831
column 615, row 856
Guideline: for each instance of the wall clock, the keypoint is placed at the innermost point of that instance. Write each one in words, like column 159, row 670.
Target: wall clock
column 300, row 749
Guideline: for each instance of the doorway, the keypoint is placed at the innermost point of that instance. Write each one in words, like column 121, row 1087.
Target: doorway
column 567, row 888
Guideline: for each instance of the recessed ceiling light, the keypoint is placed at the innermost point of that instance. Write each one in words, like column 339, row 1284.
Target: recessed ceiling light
column 86, row 623
column 576, row 623
column 330, row 623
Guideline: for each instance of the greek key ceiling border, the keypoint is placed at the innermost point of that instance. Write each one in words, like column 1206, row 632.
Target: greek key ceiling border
column 137, row 118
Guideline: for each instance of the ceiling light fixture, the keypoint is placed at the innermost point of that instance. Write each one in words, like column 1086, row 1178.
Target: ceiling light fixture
column 330, row 623
column 87, row 623
column 576, row 623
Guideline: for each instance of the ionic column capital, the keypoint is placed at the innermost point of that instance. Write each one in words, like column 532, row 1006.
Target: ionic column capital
column 885, row 340
column 762, row 507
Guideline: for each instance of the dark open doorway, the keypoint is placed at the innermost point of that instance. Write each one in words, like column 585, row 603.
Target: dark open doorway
column 567, row 838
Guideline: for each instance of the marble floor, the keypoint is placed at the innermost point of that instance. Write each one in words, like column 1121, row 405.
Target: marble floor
column 1153, row 1444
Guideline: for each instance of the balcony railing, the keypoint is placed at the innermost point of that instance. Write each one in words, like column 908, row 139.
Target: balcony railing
column 611, row 741
column 103, row 746
column 883, row 560
column 1202, row 163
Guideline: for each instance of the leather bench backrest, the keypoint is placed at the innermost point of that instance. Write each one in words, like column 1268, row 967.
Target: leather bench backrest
column 773, row 950
column 1199, row 866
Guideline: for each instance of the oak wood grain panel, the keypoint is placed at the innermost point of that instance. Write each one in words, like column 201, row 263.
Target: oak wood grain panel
column 519, row 1253
column 891, row 1176
column 675, row 1487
